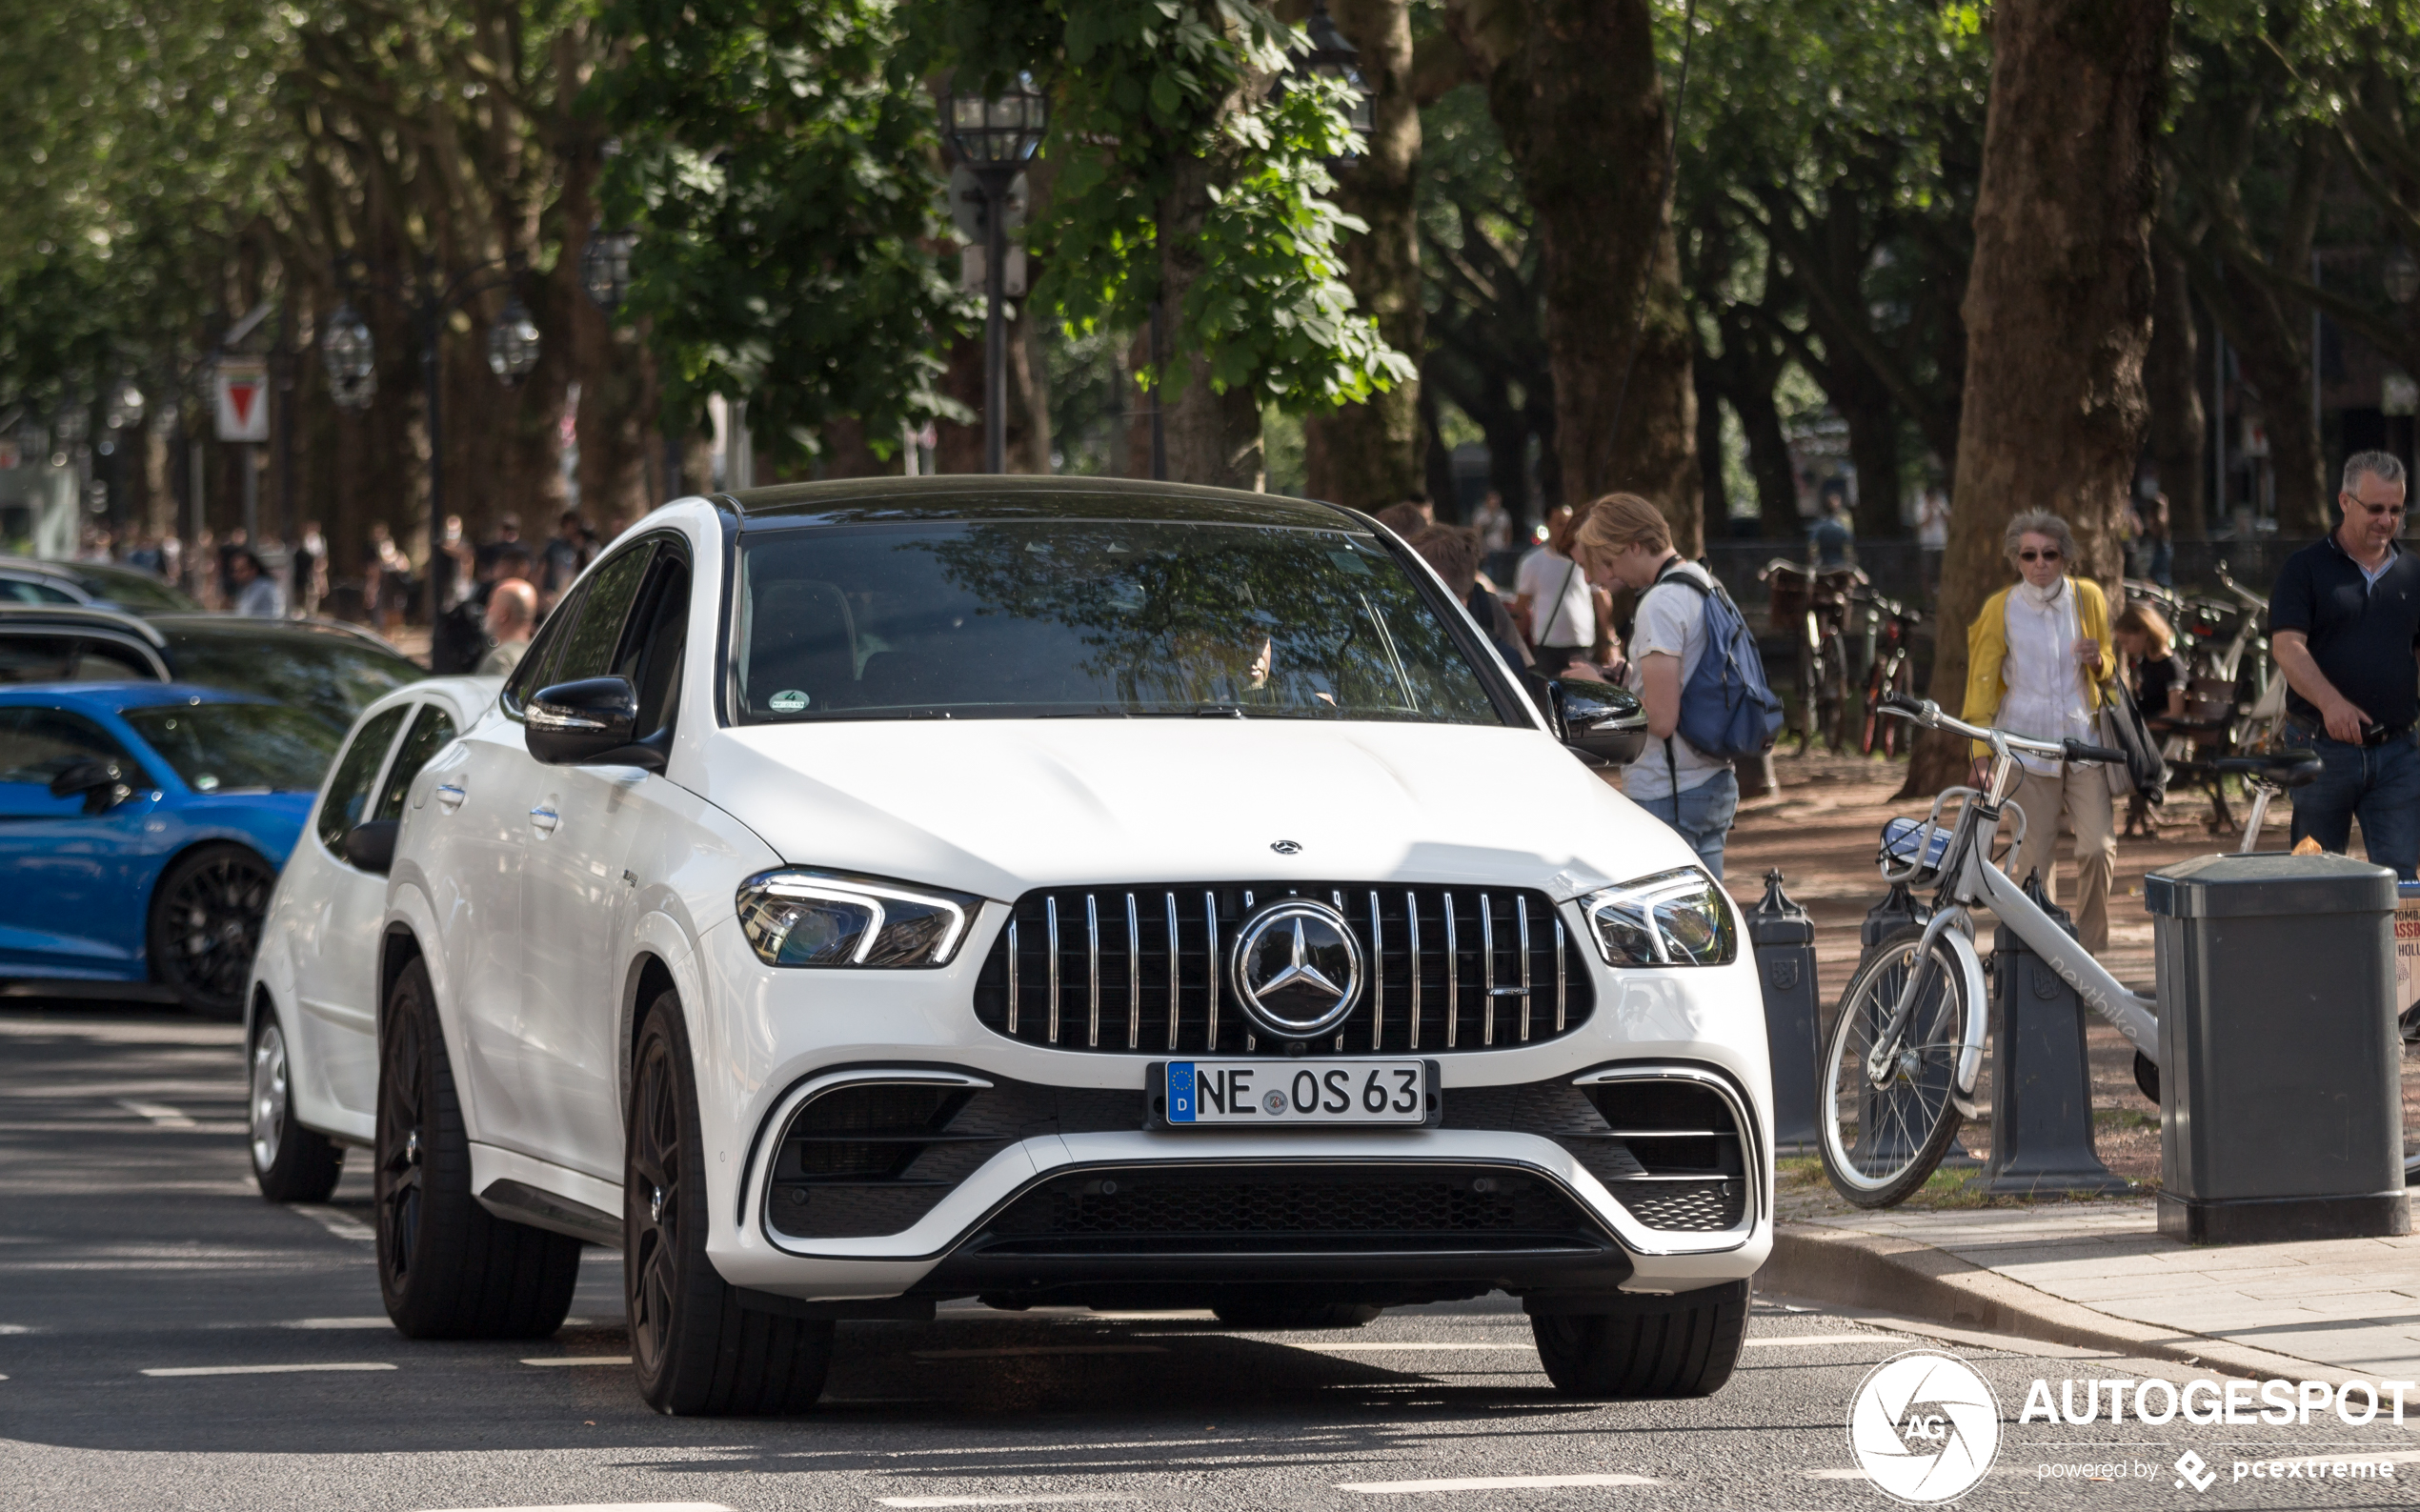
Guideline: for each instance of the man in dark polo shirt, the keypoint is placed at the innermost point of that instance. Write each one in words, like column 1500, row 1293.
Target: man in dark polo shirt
column 2345, row 619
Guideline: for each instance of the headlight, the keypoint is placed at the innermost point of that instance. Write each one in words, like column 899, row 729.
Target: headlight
column 795, row 917
column 1672, row 918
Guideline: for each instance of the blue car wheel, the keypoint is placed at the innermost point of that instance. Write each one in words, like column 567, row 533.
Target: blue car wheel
column 205, row 925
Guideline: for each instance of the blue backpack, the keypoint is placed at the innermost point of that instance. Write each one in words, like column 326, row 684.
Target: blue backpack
column 1727, row 709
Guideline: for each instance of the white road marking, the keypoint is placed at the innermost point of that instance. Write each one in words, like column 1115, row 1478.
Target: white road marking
column 1524, row 1346
column 578, row 1359
column 1491, row 1483
column 1811, row 1339
column 1038, row 1349
column 381, row 1321
column 608, row 1506
column 161, row 1115
column 1005, row 1501
column 15, row 1328
column 335, row 1221
column 1833, row 1475
column 263, row 1370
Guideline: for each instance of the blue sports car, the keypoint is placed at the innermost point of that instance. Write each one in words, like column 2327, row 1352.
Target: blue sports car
column 142, row 826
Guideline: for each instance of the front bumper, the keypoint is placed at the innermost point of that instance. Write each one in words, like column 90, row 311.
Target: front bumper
column 1567, row 1228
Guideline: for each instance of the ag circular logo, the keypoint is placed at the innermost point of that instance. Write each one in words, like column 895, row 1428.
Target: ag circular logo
column 1923, row 1426
column 1297, row 968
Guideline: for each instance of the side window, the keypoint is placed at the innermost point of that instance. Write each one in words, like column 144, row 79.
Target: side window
column 595, row 633
column 37, row 745
column 349, row 789
column 537, row 665
column 106, row 661
column 35, row 658
column 431, row 732
column 651, row 655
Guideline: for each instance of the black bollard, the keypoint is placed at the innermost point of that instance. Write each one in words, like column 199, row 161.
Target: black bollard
column 2041, row 1077
column 1785, row 940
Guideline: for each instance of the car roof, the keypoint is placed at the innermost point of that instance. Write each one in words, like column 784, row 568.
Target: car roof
column 68, row 618
column 115, row 697
column 240, row 625
column 993, row 496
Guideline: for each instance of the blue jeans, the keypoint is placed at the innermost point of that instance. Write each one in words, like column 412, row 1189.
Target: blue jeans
column 1701, row 815
column 2378, row 784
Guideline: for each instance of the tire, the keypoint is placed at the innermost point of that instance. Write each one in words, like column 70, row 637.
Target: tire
column 204, row 926
column 1831, row 693
column 2147, row 1078
column 448, row 1268
column 1669, row 1346
column 290, row 1162
column 1272, row 1317
column 697, row 1352
column 1885, row 734
column 1915, row 1116
column 1810, row 653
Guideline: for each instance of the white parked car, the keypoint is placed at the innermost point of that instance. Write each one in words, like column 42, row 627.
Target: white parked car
column 1053, row 891
column 312, row 1013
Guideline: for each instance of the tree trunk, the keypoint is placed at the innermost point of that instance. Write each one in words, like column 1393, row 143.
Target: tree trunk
column 2177, row 441
column 2058, row 309
column 1370, row 456
column 1583, row 114
column 1710, row 481
column 1873, row 443
column 1212, row 437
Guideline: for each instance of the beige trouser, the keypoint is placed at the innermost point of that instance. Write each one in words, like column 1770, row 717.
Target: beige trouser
column 2083, row 794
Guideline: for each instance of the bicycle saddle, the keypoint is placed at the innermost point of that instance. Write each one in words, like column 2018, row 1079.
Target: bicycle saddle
column 2287, row 769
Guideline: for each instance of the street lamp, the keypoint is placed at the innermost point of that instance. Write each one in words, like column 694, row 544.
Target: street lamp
column 351, row 355
column 995, row 135
column 1332, row 57
column 512, row 343
column 2400, row 274
column 605, row 267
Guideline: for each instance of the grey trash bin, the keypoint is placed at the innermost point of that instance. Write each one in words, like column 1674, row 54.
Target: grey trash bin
column 2282, row 1113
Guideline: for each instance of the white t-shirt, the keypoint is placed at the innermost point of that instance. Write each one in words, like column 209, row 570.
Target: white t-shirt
column 1561, row 611
column 2044, row 694
column 1671, row 622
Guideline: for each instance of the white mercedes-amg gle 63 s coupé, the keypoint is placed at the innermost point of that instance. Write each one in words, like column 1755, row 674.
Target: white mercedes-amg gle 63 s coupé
column 1053, row 891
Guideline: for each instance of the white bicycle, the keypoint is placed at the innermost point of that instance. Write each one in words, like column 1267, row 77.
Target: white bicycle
column 1900, row 1064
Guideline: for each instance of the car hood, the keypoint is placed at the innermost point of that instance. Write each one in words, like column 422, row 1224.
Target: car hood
column 1000, row 806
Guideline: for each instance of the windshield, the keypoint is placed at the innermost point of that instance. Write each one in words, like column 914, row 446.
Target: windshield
column 134, row 589
column 335, row 676
column 1031, row 619
column 238, row 747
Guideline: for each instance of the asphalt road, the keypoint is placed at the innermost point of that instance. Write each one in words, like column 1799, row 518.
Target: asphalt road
column 168, row 1340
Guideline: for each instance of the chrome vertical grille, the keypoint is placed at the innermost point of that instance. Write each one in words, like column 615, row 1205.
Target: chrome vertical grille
column 1454, row 969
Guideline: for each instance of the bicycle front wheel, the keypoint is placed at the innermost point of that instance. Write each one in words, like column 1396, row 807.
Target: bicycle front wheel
column 1883, row 1140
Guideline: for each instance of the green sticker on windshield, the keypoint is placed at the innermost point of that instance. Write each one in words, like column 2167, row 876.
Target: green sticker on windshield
column 789, row 701
column 1350, row 561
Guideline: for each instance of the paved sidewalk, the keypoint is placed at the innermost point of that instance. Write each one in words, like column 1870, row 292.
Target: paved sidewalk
column 2101, row 1275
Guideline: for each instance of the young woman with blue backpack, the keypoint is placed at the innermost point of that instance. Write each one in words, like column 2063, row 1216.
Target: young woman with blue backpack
column 1693, row 665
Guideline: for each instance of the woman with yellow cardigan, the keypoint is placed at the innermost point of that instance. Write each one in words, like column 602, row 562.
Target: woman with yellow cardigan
column 2038, row 663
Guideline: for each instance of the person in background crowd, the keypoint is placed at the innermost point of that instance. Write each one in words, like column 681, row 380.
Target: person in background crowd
column 1933, row 537
column 2037, row 659
column 1624, row 540
column 1558, row 605
column 568, row 553
column 1494, row 524
column 143, row 555
column 508, row 534
column 512, row 616
column 1453, row 550
column 201, row 579
column 310, row 564
column 1831, row 536
column 237, row 540
column 450, row 560
column 2344, row 620
column 2159, row 544
column 256, row 594
column 388, row 587
column 171, row 562
column 2149, row 645
column 1407, row 519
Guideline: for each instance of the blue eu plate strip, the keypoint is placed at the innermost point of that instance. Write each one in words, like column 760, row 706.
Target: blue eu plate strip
column 1180, row 1092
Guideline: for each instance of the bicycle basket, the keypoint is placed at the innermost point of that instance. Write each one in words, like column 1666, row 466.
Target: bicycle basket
column 1912, row 850
column 1792, row 596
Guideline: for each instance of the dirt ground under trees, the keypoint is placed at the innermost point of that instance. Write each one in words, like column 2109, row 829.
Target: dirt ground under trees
column 1821, row 830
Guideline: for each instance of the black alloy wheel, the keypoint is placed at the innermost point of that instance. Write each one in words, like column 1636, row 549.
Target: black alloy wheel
column 447, row 1268
column 696, row 1350
column 1684, row 1345
column 205, row 925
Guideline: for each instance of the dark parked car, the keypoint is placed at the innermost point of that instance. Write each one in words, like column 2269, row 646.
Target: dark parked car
column 98, row 585
column 328, row 669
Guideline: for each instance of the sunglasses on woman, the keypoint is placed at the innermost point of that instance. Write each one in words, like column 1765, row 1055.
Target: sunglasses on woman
column 2050, row 555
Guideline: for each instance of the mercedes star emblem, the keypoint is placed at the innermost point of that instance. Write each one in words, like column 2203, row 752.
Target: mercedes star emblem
column 1286, row 847
column 1297, row 969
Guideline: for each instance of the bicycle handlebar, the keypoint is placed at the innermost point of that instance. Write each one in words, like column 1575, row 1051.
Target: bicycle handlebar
column 1926, row 713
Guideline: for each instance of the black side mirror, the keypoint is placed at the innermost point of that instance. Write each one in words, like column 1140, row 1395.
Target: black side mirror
column 371, row 847
column 1598, row 720
column 591, row 723
column 104, row 783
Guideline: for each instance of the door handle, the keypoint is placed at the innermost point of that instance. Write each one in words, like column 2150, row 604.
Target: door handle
column 543, row 819
column 449, row 796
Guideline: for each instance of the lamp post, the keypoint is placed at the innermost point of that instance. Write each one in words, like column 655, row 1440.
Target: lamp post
column 351, row 355
column 995, row 135
column 605, row 267
column 1332, row 57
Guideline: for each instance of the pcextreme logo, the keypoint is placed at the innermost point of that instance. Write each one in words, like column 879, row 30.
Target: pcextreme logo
column 1923, row 1426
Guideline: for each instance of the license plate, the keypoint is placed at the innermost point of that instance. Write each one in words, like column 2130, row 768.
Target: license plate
column 1290, row 1094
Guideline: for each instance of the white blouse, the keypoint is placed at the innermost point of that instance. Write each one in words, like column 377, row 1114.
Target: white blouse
column 2046, row 695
